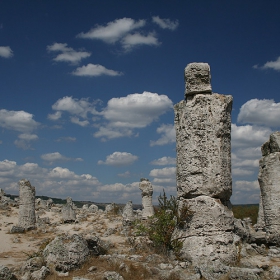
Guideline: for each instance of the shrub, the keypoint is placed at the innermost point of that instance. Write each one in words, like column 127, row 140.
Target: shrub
column 160, row 227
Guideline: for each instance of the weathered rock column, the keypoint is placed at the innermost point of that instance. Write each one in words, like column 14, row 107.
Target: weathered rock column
column 68, row 211
column 269, row 180
column 27, row 217
column 204, row 184
column 147, row 198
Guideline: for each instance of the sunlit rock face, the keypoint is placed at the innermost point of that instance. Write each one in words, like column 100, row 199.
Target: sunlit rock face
column 27, row 218
column 68, row 211
column 204, row 183
column 269, row 180
column 147, row 198
column 203, row 141
column 198, row 78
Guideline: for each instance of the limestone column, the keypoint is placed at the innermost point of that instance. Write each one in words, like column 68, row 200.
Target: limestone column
column 269, row 180
column 68, row 211
column 204, row 183
column 147, row 198
column 27, row 218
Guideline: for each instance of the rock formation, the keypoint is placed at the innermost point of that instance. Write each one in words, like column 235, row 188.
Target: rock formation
column 147, row 195
column 128, row 214
column 27, row 217
column 269, row 180
column 68, row 211
column 204, row 184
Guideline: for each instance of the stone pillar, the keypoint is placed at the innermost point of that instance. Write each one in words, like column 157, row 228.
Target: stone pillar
column 68, row 211
column 147, row 198
column 128, row 214
column 260, row 225
column 269, row 180
column 27, row 218
column 204, row 184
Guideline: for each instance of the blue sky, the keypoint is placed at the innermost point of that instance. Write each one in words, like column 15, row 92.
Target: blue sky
column 88, row 88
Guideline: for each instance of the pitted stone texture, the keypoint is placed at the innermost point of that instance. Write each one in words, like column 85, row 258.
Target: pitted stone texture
column 65, row 253
column 27, row 217
column 197, row 78
column 260, row 225
column 269, row 180
column 147, row 198
column 128, row 214
column 208, row 234
column 272, row 145
column 203, row 142
column 68, row 211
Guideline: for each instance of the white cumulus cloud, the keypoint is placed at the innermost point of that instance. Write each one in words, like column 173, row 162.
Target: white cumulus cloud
column 166, row 23
column 168, row 135
column 17, row 120
column 164, row 161
column 6, row 52
column 248, row 135
column 56, row 156
column 79, row 107
column 275, row 65
column 119, row 159
column 136, row 110
column 67, row 54
column 132, row 40
column 260, row 112
column 164, row 172
column 112, row 31
column 94, row 70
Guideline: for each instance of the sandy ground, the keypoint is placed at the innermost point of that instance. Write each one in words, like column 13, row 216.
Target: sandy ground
column 15, row 248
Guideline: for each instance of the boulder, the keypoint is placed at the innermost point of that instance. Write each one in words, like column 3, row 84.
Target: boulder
column 65, row 252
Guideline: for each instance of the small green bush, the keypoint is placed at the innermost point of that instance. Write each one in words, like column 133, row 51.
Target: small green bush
column 160, row 227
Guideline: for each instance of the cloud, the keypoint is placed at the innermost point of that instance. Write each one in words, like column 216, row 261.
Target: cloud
column 17, row 120
column 119, row 159
column 261, row 112
column 132, row 40
column 164, row 161
column 113, row 31
column 79, row 107
column 241, row 172
column 95, row 70
column 67, row 54
column 125, row 174
column 79, row 122
column 164, row 172
column 55, row 116
column 275, row 65
column 166, row 23
column 164, row 178
column 248, row 135
column 136, row 110
column 6, row 52
column 56, row 156
column 24, row 140
column 28, row 137
column 133, row 111
column 245, row 192
column 110, row 133
column 66, row 139
column 168, row 135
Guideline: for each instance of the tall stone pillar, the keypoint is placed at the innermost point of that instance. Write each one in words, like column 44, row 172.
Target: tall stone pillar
column 27, row 217
column 204, row 184
column 147, row 198
column 269, row 180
